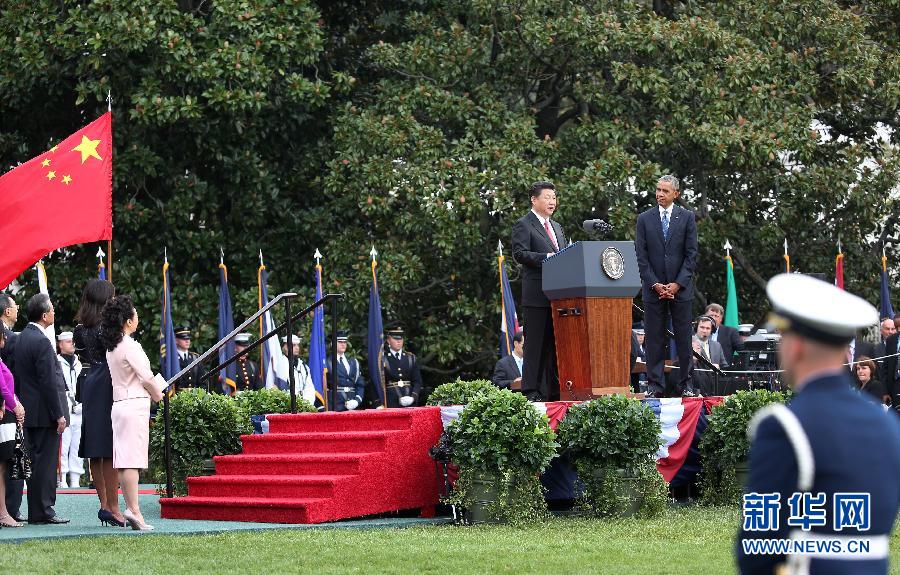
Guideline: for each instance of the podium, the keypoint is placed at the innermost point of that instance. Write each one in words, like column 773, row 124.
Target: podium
column 591, row 286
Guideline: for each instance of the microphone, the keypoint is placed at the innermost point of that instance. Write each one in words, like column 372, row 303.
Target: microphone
column 598, row 226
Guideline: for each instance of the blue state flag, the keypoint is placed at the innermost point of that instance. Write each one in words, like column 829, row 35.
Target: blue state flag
column 317, row 343
column 509, row 321
column 271, row 351
column 101, row 270
column 168, row 358
column 375, row 337
column 887, row 310
column 227, row 376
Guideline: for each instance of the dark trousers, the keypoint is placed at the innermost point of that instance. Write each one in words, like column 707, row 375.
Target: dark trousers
column 43, row 447
column 14, row 489
column 540, row 379
column 656, row 320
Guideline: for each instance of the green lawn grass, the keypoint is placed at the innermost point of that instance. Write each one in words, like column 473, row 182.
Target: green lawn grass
column 690, row 541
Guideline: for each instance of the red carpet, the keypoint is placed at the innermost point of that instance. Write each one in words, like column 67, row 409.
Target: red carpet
column 318, row 467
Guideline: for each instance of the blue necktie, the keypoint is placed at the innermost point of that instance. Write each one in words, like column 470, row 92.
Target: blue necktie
column 665, row 225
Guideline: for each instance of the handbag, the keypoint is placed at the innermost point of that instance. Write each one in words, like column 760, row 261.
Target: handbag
column 21, row 461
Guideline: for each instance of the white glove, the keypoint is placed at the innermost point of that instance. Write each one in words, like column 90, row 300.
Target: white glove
column 351, row 404
column 406, row 400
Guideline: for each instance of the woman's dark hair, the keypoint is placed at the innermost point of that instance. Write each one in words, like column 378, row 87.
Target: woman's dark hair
column 116, row 312
column 96, row 293
column 870, row 363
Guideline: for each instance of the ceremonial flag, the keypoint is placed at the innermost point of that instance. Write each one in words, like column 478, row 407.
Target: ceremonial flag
column 839, row 268
column 731, row 301
column 376, row 334
column 227, row 376
column 317, row 339
column 271, row 351
column 887, row 310
column 59, row 198
column 787, row 258
column 168, row 356
column 509, row 321
column 50, row 332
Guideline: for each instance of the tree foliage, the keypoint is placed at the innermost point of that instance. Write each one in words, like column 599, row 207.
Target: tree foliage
column 417, row 127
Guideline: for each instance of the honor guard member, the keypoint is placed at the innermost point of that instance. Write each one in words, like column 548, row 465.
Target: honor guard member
column 350, row 383
column 71, row 467
column 247, row 377
column 823, row 469
column 303, row 382
column 403, row 381
column 185, row 357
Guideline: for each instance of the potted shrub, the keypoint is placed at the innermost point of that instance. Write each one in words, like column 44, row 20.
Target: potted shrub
column 725, row 447
column 612, row 441
column 501, row 444
column 460, row 392
column 202, row 425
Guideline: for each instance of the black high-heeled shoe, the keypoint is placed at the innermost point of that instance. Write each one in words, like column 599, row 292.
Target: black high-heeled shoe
column 107, row 518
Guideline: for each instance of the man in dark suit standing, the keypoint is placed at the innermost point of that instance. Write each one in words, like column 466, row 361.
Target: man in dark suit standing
column 508, row 370
column 535, row 237
column 666, row 247
column 38, row 381
column 728, row 337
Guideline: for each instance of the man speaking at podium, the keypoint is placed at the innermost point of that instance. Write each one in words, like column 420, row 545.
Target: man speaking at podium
column 666, row 248
column 535, row 237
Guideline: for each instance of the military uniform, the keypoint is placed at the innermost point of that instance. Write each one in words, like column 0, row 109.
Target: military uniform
column 185, row 358
column 401, row 374
column 248, row 374
column 351, row 385
column 830, row 443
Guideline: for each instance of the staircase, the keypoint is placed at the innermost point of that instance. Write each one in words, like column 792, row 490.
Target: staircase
column 318, row 467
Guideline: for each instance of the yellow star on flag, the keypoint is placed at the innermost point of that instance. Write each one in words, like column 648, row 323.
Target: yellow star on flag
column 45, row 163
column 88, row 149
column 51, row 175
column 66, row 179
column 53, row 149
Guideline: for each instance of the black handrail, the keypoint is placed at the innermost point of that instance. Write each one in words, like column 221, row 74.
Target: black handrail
column 289, row 319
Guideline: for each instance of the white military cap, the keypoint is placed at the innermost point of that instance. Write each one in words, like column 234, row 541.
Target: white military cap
column 64, row 336
column 294, row 339
column 745, row 328
column 243, row 338
column 817, row 310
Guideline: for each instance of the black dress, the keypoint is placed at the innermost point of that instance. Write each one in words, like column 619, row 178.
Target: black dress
column 94, row 387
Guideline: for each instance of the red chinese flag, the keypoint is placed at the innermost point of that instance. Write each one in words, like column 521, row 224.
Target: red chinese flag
column 60, row 198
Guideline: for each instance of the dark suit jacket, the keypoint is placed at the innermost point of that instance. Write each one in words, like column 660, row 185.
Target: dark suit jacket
column 530, row 246
column 667, row 261
column 38, row 378
column 7, row 354
column 505, row 372
column 730, row 341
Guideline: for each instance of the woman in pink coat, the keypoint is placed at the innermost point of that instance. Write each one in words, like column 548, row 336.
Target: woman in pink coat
column 133, row 388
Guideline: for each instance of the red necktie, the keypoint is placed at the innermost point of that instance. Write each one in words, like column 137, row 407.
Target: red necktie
column 550, row 233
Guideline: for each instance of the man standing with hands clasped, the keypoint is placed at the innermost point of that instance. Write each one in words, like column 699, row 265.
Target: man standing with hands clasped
column 38, row 381
column 666, row 247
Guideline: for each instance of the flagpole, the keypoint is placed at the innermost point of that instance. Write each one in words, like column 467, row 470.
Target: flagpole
column 500, row 260
column 787, row 258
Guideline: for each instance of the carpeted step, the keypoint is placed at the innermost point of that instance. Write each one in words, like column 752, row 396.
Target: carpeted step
column 291, row 464
column 257, row 510
column 391, row 471
column 316, row 442
column 265, row 486
column 367, row 420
